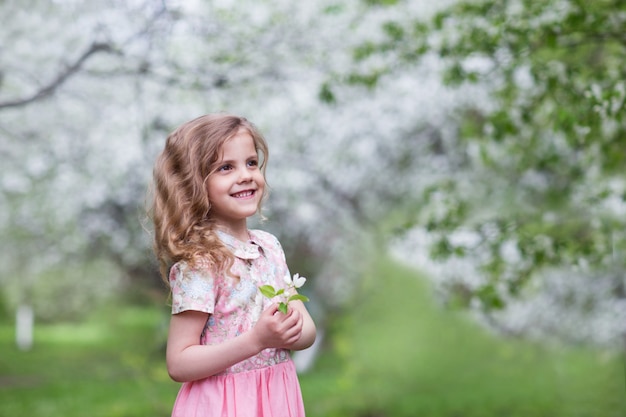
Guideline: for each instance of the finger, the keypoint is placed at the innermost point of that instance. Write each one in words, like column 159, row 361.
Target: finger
column 297, row 325
column 292, row 335
column 293, row 338
column 291, row 321
column 271, row 310
column 296, row 317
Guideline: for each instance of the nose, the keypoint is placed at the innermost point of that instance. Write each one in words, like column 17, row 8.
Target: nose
column 244, row 174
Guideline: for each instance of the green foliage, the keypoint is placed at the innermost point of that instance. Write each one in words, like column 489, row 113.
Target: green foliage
column 380, row 2
column 571, row 54
column 326, row 94
column 269, row 291
column 368, row 79
column 551, row 143
column 299, row 297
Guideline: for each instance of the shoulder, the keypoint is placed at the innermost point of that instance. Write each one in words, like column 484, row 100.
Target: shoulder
column 268, row 242
column 189, row 270
column 193, row 287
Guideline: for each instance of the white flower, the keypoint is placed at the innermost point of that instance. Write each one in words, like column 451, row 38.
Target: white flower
column 298, row 281
column 288, row 280
column 285, row 293
column 295, row 282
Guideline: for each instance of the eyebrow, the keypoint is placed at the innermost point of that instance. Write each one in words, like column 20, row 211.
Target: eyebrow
column 230, row 161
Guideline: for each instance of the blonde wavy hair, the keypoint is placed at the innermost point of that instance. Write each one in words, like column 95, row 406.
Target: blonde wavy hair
column 181, row 210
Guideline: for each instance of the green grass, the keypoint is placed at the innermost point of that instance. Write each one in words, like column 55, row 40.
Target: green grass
column 397, row 354
column 111, row 365
column 394, row 354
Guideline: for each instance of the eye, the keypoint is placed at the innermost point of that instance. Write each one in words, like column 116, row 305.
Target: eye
column 253, row 163
column 225, row 167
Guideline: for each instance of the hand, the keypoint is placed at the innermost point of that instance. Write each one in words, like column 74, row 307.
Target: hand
column 278, row 330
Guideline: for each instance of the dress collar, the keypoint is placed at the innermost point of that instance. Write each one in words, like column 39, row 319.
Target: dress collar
column 245, row 250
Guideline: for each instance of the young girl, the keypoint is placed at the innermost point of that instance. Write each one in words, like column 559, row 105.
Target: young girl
column 227, row 343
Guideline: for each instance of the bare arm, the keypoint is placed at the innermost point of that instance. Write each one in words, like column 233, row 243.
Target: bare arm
column 188, row 360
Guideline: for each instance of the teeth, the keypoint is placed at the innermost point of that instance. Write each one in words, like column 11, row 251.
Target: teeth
column 243, row 194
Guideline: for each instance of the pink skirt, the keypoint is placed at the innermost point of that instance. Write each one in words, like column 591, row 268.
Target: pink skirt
column 273, row 391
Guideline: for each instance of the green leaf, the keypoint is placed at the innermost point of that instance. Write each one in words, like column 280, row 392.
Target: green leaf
column 299, row 297
column 368, row 80
column 268, row 291
column 326, row 94
column 364, row 51
column 381, row 2
column 394, row 31
column 282, row 307
column 280, row 292
column 490, row 297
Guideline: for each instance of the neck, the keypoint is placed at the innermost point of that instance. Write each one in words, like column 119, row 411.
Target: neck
column 239, row 232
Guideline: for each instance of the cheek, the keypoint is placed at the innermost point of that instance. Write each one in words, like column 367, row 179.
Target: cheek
column 258, row 178
column 260, row 182
column 210, row 187
column 214, row 188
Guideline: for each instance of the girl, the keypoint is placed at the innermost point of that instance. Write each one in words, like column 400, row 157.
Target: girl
column 227, row 344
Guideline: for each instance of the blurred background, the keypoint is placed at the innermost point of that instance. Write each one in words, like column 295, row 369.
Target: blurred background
column 448, row 175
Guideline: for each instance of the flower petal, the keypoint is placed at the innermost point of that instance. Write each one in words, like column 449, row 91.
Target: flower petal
column 288, row 280
column 298, row 281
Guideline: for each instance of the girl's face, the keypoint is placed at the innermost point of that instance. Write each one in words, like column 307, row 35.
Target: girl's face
column 235, row 189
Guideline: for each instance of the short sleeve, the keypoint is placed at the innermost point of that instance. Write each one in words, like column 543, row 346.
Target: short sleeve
column 192, row 289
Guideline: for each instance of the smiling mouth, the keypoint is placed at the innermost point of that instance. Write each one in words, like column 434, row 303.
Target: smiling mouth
column 244, row 194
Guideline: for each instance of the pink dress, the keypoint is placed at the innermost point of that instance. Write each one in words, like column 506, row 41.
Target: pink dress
column 265, row 385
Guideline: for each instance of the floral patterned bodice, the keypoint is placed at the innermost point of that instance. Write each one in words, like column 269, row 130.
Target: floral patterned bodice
column 234, row 304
